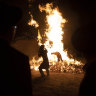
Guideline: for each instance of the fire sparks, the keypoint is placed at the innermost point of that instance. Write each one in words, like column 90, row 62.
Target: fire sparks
column 54, row 33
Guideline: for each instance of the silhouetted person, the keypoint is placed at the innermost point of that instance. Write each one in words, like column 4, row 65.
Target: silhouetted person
column 15, row 74
column 45, row 64
column 58, row 56
column 84, row 40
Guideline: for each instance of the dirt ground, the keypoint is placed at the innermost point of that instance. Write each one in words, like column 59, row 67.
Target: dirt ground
column 57, row 84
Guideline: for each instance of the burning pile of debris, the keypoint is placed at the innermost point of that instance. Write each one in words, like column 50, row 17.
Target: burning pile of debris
column 64, row 67
column 61, row 66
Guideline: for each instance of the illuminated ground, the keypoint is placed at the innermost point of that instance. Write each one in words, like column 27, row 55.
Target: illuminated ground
column 57, row 84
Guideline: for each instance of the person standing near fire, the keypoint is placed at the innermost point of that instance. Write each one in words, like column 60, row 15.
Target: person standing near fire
column 45, row 64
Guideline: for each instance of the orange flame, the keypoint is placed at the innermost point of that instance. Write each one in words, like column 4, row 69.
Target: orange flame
column 32, row 22
column 54, row 33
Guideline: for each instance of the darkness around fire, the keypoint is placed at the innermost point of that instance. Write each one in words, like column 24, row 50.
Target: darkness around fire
column 78, row 13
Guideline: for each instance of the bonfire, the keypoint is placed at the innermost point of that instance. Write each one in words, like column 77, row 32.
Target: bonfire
column 54, row 33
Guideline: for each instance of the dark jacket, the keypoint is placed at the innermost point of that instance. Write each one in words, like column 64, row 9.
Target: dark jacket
column 88, row 84
column 15, row 74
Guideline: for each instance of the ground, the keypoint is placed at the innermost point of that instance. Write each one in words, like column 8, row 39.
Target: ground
column 57, row 84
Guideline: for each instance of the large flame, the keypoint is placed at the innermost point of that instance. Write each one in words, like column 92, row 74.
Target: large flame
column 54, row 34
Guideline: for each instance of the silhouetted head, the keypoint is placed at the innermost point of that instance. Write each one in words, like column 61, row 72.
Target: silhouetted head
column 42, row 47
column 9, row 17
column 84, row 40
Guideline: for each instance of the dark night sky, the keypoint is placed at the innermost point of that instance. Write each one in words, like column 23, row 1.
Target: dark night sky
column 78, row 13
